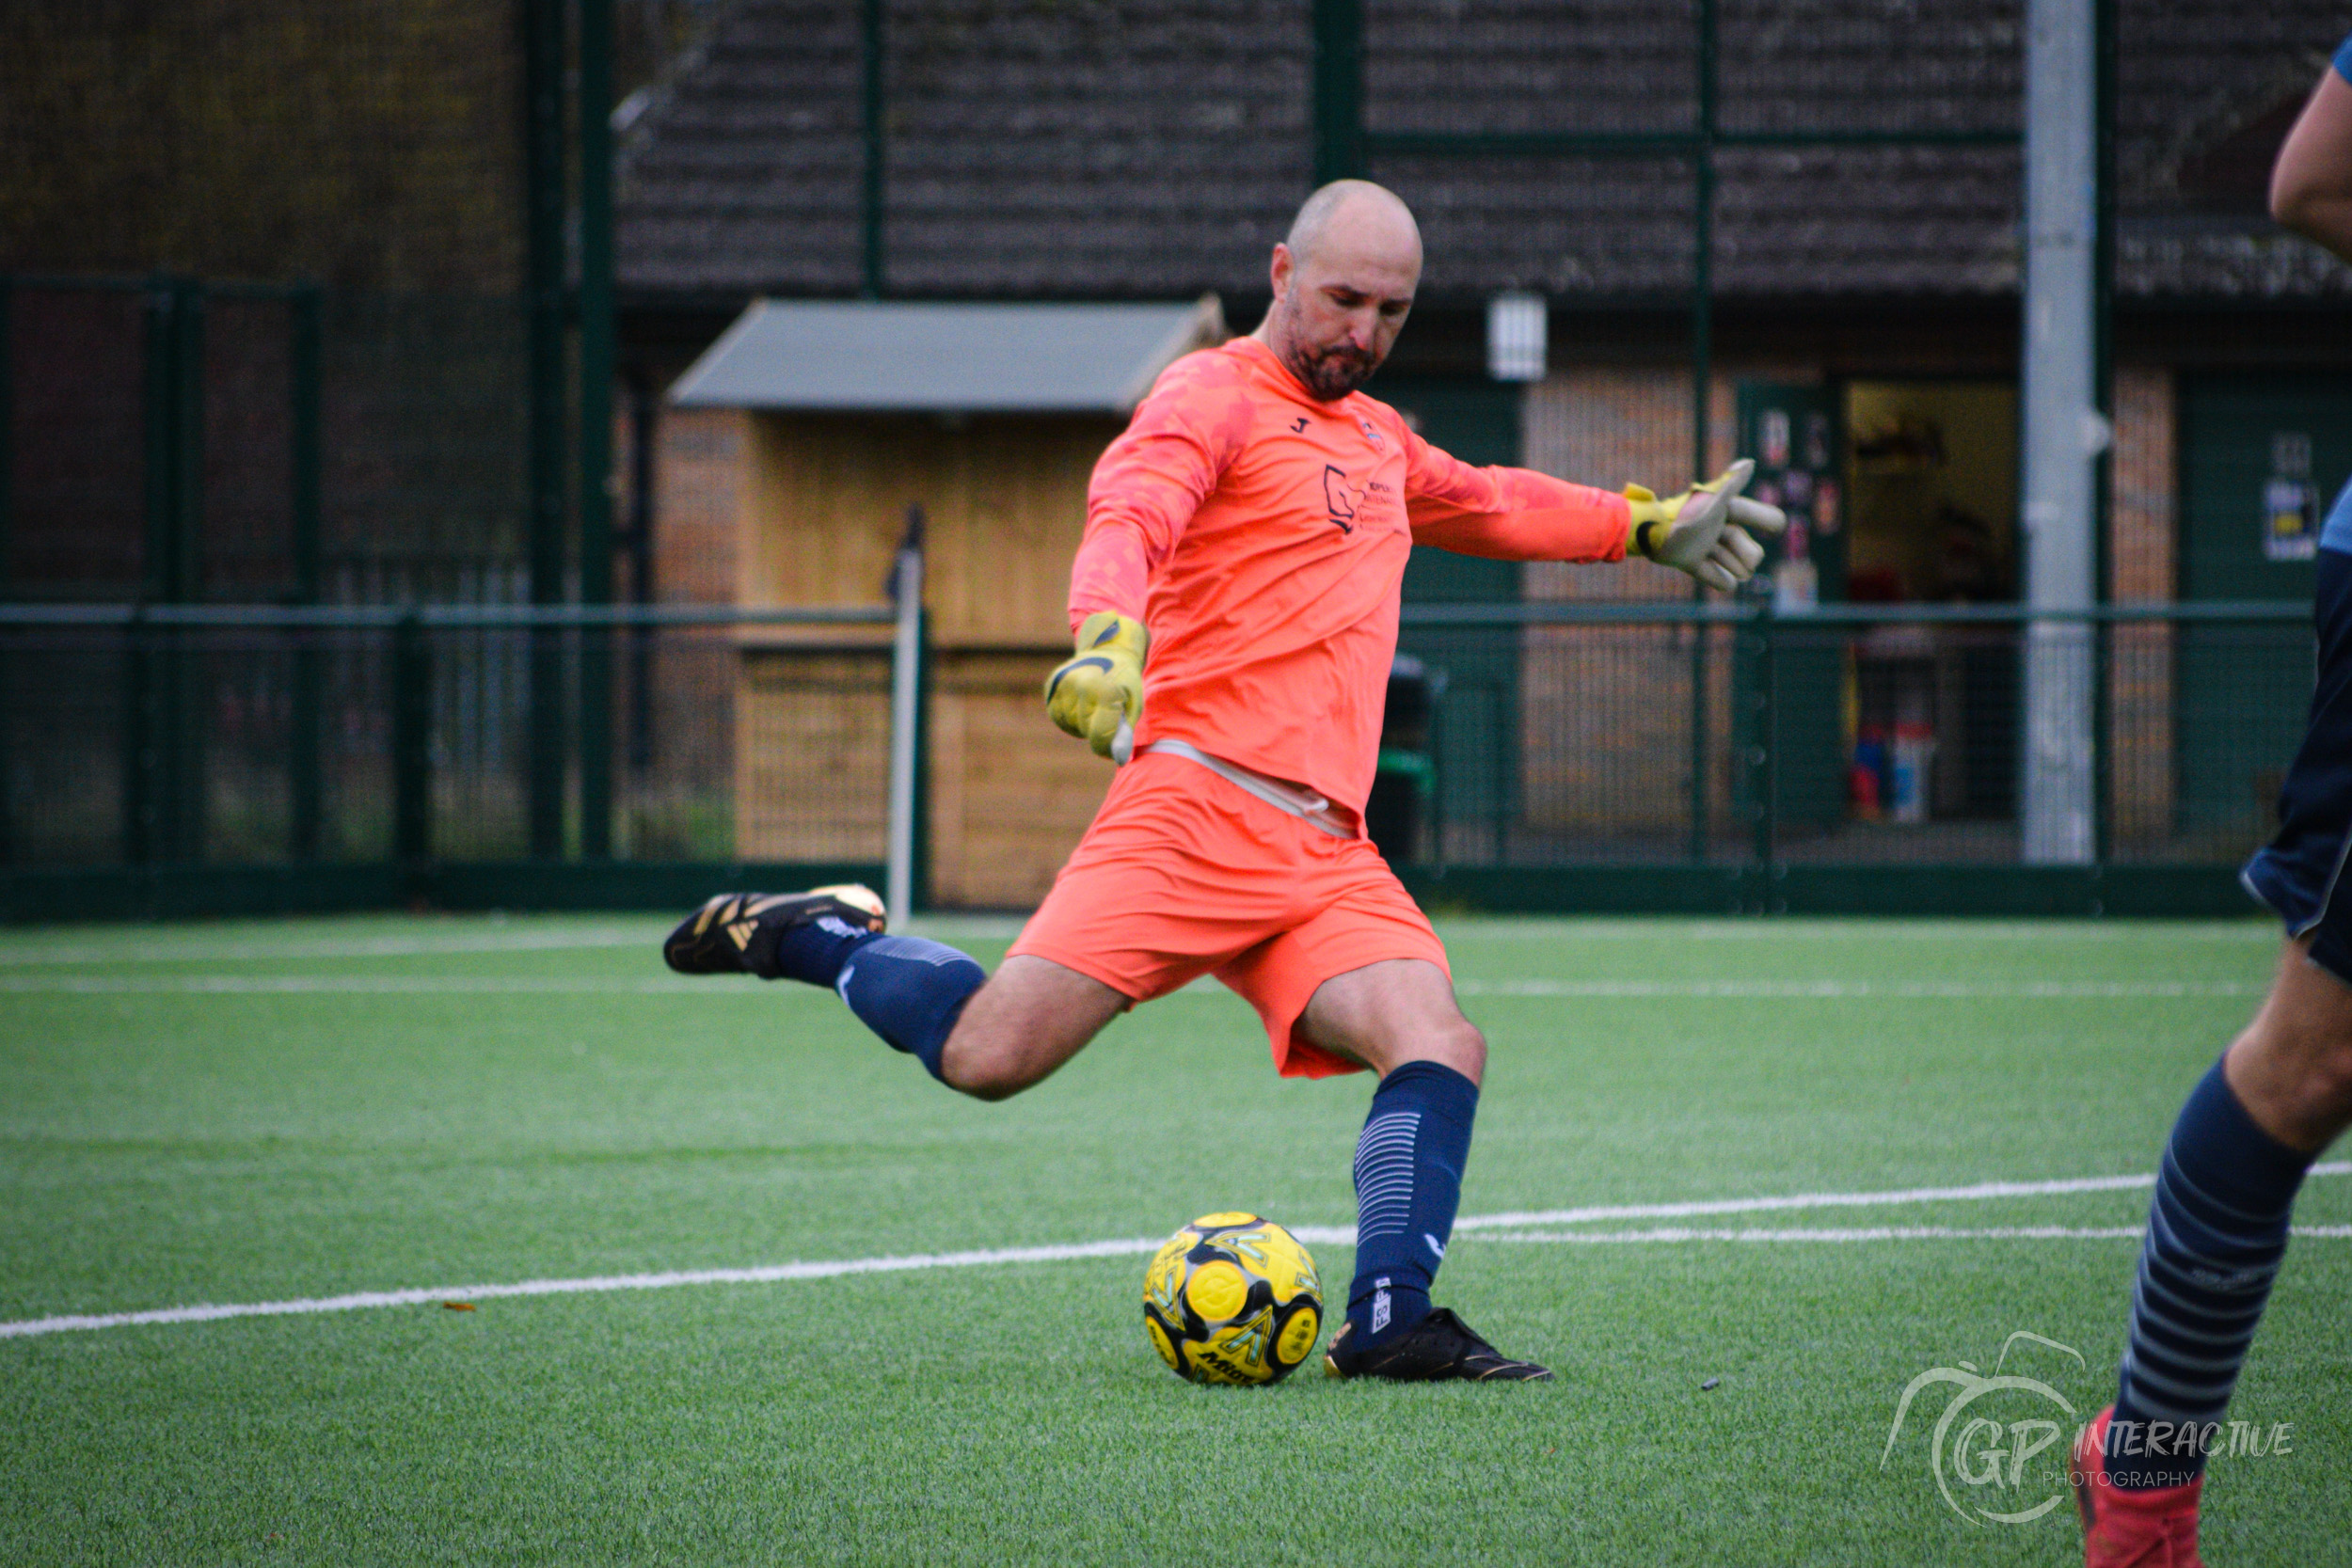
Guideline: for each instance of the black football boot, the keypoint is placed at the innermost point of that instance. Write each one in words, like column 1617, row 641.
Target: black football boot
column 738, row 933
column 1439, row 1348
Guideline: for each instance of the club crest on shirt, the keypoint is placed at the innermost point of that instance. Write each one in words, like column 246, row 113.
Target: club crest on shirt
column 1371, row 433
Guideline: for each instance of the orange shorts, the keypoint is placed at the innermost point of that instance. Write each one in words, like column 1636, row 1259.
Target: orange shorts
column 1184, row 874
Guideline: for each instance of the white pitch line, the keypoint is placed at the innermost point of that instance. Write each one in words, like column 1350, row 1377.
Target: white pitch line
column 1872, row 1233
column 589, row 1285
column 1318, row 1235
column 1781, row 932
column 1981, row 1191
column 1972, row 990
column 660, row 985
column 383, row 985
column 358, row 947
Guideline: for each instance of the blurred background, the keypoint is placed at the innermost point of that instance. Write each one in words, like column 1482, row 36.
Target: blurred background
column 461, row 452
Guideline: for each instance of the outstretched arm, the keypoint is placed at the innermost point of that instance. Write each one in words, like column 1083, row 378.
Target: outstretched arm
column 1518, row 515
column 1508, row 513
column 2311, row 186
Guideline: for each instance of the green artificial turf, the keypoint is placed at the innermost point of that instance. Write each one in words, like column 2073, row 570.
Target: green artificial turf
column 261, row 1112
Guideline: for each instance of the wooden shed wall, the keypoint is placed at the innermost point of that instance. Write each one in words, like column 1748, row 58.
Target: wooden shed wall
column 823, row 508
column 1005, row 497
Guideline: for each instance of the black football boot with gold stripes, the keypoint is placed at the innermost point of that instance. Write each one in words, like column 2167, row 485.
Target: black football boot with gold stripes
column 1439, row 1348
column 738, row 933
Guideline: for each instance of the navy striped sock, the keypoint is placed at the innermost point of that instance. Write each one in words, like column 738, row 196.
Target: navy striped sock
column 2215, row 1234
column 1408, row 1181
column 909, row 991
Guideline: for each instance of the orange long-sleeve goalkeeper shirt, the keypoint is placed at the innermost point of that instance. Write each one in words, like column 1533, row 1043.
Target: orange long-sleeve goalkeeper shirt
column 1262, row 535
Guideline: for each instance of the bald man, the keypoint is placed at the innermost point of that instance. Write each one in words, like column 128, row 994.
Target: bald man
column 2282, row 1092
column 1244, row 545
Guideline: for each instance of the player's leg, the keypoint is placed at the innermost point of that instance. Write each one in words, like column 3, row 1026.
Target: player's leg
column 1167, row 884
column 908, row 989
column 990, row 1038
column 2225, row 1189
column 1364, row 984
column 2291, row 1069
column 1031, row 1017
column 1398, row 1010
column 1400, row 1019
column 2217, row 1234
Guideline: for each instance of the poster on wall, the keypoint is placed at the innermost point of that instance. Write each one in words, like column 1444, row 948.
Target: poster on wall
column 2290, row 505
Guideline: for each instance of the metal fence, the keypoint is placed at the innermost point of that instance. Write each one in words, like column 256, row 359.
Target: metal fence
column 1854, row 734
column 1857, row 736
column 229, row 735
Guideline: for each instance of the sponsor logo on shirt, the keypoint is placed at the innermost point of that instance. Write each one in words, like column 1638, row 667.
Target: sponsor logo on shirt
column 1338, row 499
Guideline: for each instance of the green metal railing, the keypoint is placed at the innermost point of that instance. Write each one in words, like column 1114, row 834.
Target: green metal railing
column 196, row 741
column 2214, row 698
column 206, row 708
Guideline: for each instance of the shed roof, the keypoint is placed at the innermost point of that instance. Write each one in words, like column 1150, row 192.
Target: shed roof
column 965, row 358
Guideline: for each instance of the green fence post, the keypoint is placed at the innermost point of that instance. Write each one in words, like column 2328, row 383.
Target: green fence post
column 159, row 446
column 596, row 424
column 7, row 427
column 168, row 746
column 1702, row 389
column 186, row 706
column 138, row 732
column 307, row 743
column 1338, row 89
column 1696, row 850
column 7, row 474
column 412, row 744
column 543, row 70
column 183, row 689
column 187, row 456
column 1764, row 753
column 2102, row 741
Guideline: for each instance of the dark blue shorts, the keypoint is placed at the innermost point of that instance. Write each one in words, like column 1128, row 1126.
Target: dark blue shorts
column 2300, row 874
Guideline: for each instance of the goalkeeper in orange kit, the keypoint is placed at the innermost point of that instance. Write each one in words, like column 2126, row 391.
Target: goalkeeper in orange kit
column 1235, row 602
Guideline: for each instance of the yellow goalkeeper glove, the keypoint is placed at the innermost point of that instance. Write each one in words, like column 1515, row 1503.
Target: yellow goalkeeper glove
column 1098, row 694
column 1706, row 531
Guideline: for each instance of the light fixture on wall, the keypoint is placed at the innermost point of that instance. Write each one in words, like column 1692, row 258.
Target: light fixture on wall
column 1516, row 332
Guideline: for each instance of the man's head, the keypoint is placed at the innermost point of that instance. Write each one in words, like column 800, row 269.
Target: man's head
column 1344, row 280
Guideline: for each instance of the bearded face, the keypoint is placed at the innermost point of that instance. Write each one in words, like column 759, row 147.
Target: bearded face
column 1330, row 371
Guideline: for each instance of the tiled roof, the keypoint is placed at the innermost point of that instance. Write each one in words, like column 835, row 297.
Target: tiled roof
column 1156, row 147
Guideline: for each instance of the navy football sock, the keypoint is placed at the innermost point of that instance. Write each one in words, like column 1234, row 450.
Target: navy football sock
column 814, row 950
column 1408, row 1181
column 2215, row 1234
column 909, row 990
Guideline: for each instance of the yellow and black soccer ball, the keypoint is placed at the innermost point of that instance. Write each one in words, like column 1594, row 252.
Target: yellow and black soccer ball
column 1232, row 1298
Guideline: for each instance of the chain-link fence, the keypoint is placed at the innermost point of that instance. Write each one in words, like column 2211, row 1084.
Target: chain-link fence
column 232, row 735
column 1861, row 735
column 172, row 440
column 228, row 736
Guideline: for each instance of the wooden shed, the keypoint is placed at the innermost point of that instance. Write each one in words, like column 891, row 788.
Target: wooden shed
column 989, row 418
